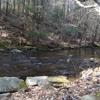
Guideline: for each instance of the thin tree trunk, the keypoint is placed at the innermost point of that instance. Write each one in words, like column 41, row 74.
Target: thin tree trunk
column 83, row 34
column 7, row 5
column 18, row 2
column 23, row 4
column 0, row 5
column 95, row 34
column 14, row 6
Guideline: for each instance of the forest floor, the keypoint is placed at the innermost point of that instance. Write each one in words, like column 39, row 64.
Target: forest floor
column 11, row 37
column 89, row 84
column 45, row 43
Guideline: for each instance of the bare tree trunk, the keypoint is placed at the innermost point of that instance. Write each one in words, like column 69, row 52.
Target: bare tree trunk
column 84, row 33
column 14, row 6
column 96, row 32
column 23, row 4
column 33, row 21
column 0, row 5
column 19, row 5
column 7, row 5
column 64, row 10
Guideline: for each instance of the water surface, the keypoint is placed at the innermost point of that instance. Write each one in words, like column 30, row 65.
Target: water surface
column 47, row 62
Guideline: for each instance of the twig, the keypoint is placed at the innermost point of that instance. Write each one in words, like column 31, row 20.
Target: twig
column 68, row 95
column 84, row 17
column 81, row 66
column 72, row 63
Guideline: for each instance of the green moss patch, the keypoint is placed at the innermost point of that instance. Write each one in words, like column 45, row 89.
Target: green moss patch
column 23, row 86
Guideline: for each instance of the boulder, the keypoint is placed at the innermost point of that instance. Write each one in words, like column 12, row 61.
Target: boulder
column 40, row 80
column 12, row 84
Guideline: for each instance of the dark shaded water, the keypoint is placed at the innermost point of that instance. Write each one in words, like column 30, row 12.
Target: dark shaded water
column 47, row 62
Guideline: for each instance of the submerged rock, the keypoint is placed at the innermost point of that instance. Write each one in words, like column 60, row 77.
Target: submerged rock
column 11, row 84
column 1, row 50
column 64, row 72
column 5, row 65
column 61, row 60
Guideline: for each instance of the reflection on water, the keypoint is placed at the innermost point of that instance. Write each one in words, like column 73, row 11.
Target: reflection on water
column 46, row 62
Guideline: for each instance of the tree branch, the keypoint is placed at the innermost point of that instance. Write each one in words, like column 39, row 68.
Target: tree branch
column 80, row 4
column 96, row 5
column 84, row 17
column 98, row 2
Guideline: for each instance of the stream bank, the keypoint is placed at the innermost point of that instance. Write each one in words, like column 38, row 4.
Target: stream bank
column 86, row 87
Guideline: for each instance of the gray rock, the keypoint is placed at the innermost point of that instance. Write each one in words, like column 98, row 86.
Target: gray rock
column 16, row 51
column 11, row 84
column 22, row 59
column 5, row 95
column 70, row 55
column 89, row 78
column 39, row 63
column 60, row 60
column 64, row 72
column 88, row 97
column 1, row 49
column 36, row 80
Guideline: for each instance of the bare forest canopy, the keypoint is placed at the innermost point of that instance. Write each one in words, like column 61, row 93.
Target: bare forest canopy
column 75, row 21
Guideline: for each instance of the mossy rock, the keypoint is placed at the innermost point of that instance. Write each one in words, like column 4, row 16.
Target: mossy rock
column 12, row 84
column 52, row 85
column 97, row 95
column 57, row 85
column 58, row 79
column 23, row 86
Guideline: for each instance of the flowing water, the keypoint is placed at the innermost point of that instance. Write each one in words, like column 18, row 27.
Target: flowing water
column 61, row 62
